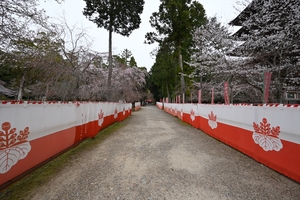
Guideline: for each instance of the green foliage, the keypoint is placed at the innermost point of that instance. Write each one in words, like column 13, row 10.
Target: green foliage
column 163, row 73
column 143, row 68
column 126, row 55
column 126, row 58
column 32, row 61
column 121, row 17
column 132, row 62
column 175, row 23
column 119, row 59
column 6, row 69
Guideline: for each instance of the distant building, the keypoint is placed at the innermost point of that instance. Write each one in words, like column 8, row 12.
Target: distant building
column 5, row 91
column 292, row 97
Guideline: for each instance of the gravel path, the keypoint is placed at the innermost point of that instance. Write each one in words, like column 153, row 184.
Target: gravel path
column 156, row 156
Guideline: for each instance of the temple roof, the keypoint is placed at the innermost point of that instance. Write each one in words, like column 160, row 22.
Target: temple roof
column 240, row 33
column 6, row 91
column 238, row 21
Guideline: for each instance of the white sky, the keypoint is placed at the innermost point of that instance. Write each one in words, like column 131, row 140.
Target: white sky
column 72, row 10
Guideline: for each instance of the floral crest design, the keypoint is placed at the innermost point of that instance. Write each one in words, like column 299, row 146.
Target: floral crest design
column 212, row 120
column 100, row 118
column 267, row 137
column 192, row 115
column 13, row 146
column 116, row 113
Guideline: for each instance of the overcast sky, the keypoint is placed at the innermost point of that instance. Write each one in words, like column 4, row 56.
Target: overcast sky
column 72, row 10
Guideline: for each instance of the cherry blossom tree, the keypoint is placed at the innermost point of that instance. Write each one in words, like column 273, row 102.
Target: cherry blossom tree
column 127, row 84
column 20, row 26
column 18, row 19
column 212, row 64
column 267, row 41
column 270, row 30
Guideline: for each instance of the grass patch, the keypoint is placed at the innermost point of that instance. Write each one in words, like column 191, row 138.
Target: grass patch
column 181, row 122
column 184, row 123
column 22, row 188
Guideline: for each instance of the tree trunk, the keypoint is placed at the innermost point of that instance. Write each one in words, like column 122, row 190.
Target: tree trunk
column 201, row 80
column 168, row 94
column 20, row 93
column 47, row 92
column 231, row 94
column 162, row 89
column 109, row 58
column 182, row 77
column 280, row 80
column 108, row 92
column 78, row 83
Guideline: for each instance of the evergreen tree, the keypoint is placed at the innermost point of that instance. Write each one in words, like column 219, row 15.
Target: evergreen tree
column 126, row 55
column 175, row 22
column 132, row 62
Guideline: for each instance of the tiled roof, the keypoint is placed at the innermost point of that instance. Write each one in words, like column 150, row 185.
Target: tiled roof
column 6, row 91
